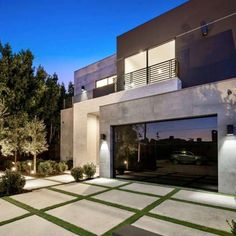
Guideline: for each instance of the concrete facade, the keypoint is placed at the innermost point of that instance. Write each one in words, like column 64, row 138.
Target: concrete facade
column 206, row 69
column 66, row 148
column 87, row 115
column 88, row 75
column 204, row 100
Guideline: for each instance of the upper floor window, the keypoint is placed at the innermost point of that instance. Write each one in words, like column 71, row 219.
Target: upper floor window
column 150, row 57
column 106, row 81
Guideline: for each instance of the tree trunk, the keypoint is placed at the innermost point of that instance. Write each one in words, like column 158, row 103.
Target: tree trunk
column 50, row 136
column 35, row 171
column 15, row 159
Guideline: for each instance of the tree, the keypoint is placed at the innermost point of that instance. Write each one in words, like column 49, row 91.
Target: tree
column 15, row 133
column 70, row 89
column 35, row 139
column 33, row 92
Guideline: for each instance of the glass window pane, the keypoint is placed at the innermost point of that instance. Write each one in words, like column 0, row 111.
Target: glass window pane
column 136, row 62
column 101, row 83
column 161, row 53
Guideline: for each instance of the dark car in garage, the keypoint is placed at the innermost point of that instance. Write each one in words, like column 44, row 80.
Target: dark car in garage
column 186, row 157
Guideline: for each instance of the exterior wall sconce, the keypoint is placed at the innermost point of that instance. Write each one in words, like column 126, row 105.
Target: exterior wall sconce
column 230, row 129
column 229, row 92
column 83, row 89
column 204, row 28
column 103, row 137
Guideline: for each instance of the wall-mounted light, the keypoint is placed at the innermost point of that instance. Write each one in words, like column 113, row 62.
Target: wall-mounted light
column 103, row 137
column 230, row 129
column 229, row 92
column 204, row 28
column 83, row 89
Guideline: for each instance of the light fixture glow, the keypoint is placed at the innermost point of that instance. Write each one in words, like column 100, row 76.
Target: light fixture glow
column 83, row 90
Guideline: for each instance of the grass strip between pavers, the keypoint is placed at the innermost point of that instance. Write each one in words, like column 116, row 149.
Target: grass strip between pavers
column 203, row 204
column 66, row 225
column 112, row 204
column 141, row 193
column 189, row 224
column 15, row 219
column 141, row 213
column 60, row 204
column 104, row 186
column 90, row 198
column 137, row 213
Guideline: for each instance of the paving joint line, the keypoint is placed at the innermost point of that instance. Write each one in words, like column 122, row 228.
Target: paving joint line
column 142, row 212
column 61, row 223
column 189, row 224
column 204, row 204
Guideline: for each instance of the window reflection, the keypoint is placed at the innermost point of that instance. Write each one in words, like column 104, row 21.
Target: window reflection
column 180, row 152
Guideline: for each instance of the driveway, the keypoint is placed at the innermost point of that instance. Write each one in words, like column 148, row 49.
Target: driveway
column 99, row 206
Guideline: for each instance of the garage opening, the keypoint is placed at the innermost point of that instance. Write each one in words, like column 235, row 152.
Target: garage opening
column 179, row 152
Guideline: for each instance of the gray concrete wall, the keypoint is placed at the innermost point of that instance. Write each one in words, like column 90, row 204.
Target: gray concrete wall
column 66, row 148
column 86, row 113
column 88, row 75
column 196, row 101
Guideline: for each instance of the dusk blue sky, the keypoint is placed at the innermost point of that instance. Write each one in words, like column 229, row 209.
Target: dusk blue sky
column 65, row 35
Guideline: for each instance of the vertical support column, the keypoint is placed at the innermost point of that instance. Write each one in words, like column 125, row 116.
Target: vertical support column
column 147, row 68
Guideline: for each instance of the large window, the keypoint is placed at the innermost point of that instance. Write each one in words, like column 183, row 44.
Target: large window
column 135, row 62
column 105, row 81
column 179, row 152
column 161, row 53
column 150, row 66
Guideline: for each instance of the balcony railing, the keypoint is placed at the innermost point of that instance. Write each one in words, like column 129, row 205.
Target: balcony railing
column 152, row 74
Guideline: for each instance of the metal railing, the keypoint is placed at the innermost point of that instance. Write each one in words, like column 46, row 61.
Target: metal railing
column 152, row 74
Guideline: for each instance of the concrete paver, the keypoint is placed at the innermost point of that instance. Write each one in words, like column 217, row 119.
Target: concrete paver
column 92, row 216
column 133, row 200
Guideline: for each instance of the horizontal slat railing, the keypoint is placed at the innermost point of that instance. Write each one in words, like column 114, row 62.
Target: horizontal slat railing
column 152, row 74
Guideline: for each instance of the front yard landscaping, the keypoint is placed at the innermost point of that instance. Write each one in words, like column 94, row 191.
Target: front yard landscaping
column 99, row 206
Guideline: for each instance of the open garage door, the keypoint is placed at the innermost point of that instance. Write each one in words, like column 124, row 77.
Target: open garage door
column 175, row 152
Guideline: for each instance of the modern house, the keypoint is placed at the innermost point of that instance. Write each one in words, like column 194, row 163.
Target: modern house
column 163, row 108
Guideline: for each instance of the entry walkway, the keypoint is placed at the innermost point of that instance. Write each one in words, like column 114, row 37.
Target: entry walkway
column 99, row 206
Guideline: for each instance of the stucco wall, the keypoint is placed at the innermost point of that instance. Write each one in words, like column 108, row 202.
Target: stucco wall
column 191, row 102
column 66, row 148
column 88, row 75
column 85, row 130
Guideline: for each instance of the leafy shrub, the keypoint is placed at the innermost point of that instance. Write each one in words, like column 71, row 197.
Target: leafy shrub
column 12, row 182
column 59, row 168
column 38, row 161
column 45, row 168
column 7, row 164
column 89, row 170
column 69, row 164
column 77, row 173
column 232, row 226
column 63, row 165
column 23, row 166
